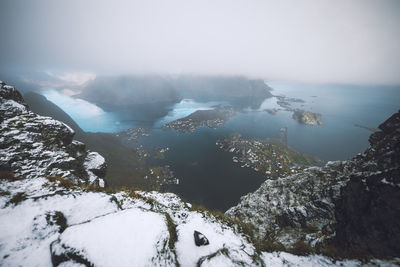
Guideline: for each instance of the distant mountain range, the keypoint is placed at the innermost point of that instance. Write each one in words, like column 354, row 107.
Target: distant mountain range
column 152, row 96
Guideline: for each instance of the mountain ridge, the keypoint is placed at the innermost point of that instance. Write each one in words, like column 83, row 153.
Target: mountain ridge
column 33, row 145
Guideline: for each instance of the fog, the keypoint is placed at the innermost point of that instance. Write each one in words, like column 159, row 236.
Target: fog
column 309, row 41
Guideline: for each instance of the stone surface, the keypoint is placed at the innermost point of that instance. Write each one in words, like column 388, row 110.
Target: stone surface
column 200, row 239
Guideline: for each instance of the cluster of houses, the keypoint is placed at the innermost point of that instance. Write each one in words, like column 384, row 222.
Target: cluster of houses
column 273, row 160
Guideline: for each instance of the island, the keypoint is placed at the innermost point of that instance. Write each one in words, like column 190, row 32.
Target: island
column 212, row 118
column 270, row 157
column 300, row 115
column 306, row 117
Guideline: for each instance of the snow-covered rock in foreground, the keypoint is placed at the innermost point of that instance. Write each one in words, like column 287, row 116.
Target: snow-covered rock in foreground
column 52, row 223
column 36, row 146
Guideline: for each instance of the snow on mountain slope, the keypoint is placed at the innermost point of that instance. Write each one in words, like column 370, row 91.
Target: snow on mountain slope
column 34, row 146
column 53, row 224
column 134, row 236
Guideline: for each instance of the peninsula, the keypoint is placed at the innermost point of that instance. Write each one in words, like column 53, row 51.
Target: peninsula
column 213, row 118
column 270, row 157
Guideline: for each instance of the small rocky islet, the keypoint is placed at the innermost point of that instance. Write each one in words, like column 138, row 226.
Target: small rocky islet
column 300, row 115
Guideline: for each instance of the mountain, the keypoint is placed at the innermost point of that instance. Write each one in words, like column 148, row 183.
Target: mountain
column 347, row 208
column 150, row 97
column 123, row 166
column 34, row 146
column 40, row 105
column 240, row 92
column 130, row 90
column 145, row 98
column 55, row 212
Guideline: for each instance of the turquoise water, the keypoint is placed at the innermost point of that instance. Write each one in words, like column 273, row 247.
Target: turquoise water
column 209, row 177
column 88, row 116
column 92, row 118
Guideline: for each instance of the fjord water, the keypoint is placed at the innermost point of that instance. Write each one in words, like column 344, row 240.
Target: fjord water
column 209, row 177
column 342, row 107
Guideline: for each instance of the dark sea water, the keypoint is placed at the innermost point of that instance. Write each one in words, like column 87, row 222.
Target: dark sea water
column 209, row 177
column 207, row 174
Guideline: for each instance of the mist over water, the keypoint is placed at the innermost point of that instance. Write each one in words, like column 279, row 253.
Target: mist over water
column 88, row 116
column 185, row 108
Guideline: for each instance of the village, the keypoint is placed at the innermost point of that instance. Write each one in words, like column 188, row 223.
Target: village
column 210, row 118
column 270, row 157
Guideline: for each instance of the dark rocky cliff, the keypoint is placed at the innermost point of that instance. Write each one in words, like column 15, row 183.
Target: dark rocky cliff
column 351, row 208
column 368, row 209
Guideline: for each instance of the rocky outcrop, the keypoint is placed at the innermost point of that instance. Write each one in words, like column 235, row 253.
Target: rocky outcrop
column 35, row 146
column 200, row 239
column 351, row 205
column 368, row 209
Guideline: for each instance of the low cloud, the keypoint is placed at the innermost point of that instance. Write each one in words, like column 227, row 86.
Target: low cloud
column 75, row 107
column 307, row 40
column 73, row 78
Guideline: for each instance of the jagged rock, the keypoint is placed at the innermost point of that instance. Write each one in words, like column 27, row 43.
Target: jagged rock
column 353, row 204
column 9, row 92
column 95, row 163
column 200, row 239
column 368, row 209
column 36, row 146
column 367, row 214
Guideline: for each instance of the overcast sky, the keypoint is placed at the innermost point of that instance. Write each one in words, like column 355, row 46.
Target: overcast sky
column 315, row 41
